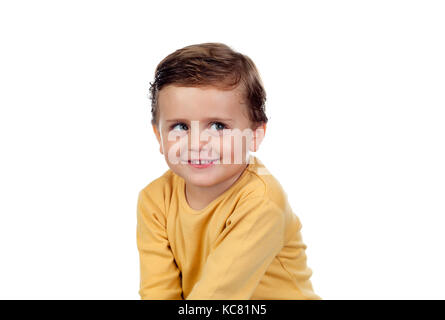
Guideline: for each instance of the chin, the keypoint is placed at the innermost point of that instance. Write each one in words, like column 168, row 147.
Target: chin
column 202, row 181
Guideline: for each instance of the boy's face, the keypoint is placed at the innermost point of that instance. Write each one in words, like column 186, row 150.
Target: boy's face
column 205, row 123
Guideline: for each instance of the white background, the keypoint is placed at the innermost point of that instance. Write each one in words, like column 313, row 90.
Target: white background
column 355, row 99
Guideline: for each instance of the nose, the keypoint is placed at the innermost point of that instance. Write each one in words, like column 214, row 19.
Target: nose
column 198, row 140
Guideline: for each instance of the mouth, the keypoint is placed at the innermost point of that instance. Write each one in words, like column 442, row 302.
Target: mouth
column 200, row 164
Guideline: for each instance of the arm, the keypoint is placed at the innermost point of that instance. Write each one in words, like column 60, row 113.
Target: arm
column 253, row 236
column 159, row 274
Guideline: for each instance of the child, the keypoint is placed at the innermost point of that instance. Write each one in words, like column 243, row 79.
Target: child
column 217, row 224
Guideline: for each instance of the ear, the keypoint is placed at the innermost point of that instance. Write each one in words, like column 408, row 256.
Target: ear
column 158, row 137
column 258, row 136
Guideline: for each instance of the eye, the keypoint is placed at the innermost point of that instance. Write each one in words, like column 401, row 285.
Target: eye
column 179, row 125
column 219, row 125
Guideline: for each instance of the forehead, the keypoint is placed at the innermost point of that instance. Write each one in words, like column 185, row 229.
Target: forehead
column 202, row 102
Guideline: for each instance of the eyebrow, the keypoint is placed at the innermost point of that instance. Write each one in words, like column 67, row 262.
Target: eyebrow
column 205, row 119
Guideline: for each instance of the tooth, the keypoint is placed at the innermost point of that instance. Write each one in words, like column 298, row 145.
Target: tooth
column 201, row 161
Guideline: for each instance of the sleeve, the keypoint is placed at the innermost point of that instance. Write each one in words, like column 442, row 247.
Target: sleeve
column 159, row 274
column 253, row 236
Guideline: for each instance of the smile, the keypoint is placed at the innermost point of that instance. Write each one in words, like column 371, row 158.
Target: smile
column 201, row 163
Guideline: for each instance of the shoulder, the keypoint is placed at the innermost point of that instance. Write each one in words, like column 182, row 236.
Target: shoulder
column 261, row 184
column 155, row 192
column 158, row 184
column 265, row 197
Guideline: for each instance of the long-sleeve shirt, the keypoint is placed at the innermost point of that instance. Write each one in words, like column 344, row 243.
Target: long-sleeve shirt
column 246, row 244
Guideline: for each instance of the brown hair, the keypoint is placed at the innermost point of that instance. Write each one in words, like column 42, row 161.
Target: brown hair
column 214, row 64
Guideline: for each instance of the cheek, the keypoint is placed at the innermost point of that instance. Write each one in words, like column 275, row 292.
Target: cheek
column 236, row 144
column 224, row 145
column 176, row 148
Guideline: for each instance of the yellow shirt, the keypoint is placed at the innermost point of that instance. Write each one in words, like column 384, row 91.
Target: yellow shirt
column 246, row 244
